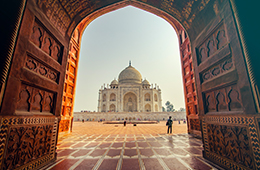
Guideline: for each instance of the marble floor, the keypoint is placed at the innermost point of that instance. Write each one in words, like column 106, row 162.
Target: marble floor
column 108, row 147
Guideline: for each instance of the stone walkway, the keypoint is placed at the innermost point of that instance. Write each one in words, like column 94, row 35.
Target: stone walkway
column 94, row 145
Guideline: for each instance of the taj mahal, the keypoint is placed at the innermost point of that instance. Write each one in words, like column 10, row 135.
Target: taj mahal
column 129, row 98
column 130, row 94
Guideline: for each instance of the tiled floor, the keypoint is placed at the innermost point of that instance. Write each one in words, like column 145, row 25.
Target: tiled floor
column 150, row 151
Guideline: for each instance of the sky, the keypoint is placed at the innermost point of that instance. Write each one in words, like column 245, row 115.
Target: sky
column 111, row 40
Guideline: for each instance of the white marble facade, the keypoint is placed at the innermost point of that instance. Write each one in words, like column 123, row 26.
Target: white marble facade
column 130, row 94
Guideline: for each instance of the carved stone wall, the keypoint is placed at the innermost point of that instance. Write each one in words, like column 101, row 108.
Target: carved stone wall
column 27, row 142
column 189, row 84
column 219, row 64
column 225, row 99
column 64, row 125
column 194, row 124
column 33, row 99
column 232, row 141
column 41, row 37
column 70, row 82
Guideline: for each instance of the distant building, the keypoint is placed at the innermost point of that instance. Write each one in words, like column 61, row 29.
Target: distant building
column 130, row 94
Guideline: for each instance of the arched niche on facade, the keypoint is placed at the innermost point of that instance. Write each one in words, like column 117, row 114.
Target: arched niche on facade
column 130, row 102
column 112, row 108
column 147, row 97
column 155, row 97
column 156, row 107
column 148, row 108
column 112, row 97
column 104, row 108
column 104, row 97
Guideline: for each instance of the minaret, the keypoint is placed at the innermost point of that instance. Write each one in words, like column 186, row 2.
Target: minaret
column 99, row 101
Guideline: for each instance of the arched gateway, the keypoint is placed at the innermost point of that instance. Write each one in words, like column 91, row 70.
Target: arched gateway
column 39, row 57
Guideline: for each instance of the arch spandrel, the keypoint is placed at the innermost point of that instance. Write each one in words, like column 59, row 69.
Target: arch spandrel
column 65, row 15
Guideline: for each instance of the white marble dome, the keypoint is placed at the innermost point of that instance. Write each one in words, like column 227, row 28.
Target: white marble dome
column 130, row 75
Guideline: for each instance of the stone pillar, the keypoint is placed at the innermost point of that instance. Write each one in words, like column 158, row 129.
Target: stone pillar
column 99, row 101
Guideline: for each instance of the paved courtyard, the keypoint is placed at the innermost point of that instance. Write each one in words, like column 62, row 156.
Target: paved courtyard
column 94, row 145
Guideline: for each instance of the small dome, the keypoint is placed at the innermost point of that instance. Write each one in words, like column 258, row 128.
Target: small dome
column 114, row 82
column 130, row 75
column 145, row 82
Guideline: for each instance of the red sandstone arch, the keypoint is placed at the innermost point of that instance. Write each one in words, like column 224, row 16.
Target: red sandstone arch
column 175, row 23
column 37, row 65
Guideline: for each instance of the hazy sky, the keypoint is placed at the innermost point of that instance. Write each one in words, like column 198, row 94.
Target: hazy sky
column 110, row 41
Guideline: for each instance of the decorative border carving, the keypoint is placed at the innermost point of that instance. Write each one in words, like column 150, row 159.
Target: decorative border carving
column 41, row 69
column 248, row 122
column 195, row 124
column 217, row 70
column 9, row 122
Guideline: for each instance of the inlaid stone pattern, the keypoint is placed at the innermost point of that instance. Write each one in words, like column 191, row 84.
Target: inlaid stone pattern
column 217, row 70
column 41, row 37
column 195, row 124
column 41, row 69
column 231, row 142
column 117, row 150
column 225, row 99
column 33, row 99
column 213, row 43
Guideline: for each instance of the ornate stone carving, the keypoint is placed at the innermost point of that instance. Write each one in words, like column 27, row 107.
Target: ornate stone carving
column 229, row 145
column 185, row 14
column 231, row 142
column 213, row 43
column 195, row 124
column 28, row 142
column 64, row 125
column 225, row 99
column 41, row 69
column 42, row 39
column 219, row 69
column 36, row 36
column 34, row 99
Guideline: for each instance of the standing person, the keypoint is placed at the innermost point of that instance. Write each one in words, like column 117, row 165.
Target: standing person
column 169, row 124
column 124, row 123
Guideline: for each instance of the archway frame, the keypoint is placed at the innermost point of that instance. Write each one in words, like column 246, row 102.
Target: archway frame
column 201, row 19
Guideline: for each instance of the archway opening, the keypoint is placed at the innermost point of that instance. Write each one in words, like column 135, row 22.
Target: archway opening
column 186, row 63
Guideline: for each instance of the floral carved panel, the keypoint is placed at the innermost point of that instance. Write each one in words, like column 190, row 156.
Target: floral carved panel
column 28, row 142
column 42, row 69
column 218, row 69
column 232, row 141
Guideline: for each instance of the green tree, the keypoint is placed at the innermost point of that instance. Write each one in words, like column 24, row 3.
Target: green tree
column 163, row 109
column 169, row 106
column 182, row 109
